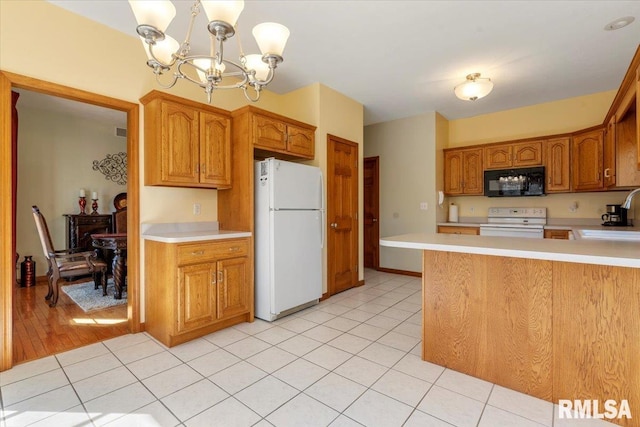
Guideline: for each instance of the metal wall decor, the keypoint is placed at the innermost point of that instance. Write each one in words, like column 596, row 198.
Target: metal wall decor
column 113, row 167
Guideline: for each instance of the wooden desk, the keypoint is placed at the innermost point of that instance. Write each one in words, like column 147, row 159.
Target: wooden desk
column 117, row 243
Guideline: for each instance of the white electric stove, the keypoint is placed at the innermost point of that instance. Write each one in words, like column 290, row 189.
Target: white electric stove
column 515, row 222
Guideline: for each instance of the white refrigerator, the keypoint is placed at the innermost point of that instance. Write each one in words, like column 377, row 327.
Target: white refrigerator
column 289, row 236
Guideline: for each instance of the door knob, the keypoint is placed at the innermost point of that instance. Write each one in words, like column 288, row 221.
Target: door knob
column 375, row 219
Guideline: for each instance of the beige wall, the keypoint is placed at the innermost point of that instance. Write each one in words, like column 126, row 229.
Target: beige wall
column 343, row 117
column 55, row 159
column 567, row 115
column 408, row 176
column 564, row 116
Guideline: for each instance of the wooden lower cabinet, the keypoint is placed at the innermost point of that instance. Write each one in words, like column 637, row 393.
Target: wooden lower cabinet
column 455, row 229
column 554, row 330
column 192, row 289
column 556, row 234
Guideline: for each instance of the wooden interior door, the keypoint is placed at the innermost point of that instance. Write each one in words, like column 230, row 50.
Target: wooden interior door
column 342, row 214
column 371, row 212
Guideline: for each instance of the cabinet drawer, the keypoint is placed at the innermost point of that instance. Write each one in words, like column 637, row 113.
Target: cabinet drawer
column 448, row 229
column 202, row 252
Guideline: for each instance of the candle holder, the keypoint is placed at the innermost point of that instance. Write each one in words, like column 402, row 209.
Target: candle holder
column 82, row 201
column 94, row 207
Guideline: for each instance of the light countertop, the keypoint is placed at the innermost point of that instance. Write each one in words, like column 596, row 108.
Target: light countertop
column 184, row 232
column 621, row 254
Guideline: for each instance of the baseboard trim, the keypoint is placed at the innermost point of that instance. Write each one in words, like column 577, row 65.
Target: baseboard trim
column 324, row 296
column 360, row 283
column 403, row 272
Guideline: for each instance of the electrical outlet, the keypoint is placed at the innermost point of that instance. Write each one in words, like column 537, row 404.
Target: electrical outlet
column 472, row 209
column 196, row 208
column 424, row 206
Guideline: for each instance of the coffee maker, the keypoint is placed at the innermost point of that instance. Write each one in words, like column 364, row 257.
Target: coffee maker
column 616, row 216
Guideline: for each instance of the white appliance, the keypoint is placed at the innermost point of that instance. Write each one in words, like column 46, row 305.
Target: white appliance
column 515, row 222
column 289, row 236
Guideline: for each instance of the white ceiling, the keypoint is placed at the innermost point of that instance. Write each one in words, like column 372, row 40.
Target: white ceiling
column 403, row 58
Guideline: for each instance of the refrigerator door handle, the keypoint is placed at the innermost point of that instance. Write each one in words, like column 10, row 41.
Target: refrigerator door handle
column 322, row 219
column 322, row 213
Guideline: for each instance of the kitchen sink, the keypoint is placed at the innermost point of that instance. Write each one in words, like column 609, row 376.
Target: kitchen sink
column 621, row 235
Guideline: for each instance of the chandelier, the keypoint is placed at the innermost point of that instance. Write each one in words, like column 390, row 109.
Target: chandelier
column 473, row 88
column 164, row 53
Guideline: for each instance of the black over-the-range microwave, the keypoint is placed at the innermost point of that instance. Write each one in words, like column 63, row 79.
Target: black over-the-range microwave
column 514, row 182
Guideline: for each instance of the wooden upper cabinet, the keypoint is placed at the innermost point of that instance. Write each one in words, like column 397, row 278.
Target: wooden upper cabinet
column 301, row 141
column 277, row 134
column 187, row 144
column 179, row 144
column 558, row 165
column 463, row 173
column 215, row 150
column 514, row 155
column 497, row 157
column 270, row 133
column 587, row 160
column 527, row 154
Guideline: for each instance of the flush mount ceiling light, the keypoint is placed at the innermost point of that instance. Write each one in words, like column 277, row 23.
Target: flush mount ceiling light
column 473, row 88
column 619, row 23
column 207, row 71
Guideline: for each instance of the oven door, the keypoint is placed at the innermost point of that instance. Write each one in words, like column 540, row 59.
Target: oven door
column 499, row 231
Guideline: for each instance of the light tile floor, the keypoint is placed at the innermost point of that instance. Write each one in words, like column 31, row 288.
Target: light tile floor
column 351, row 360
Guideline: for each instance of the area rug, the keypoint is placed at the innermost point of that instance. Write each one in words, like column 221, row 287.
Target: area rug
column 90, row 299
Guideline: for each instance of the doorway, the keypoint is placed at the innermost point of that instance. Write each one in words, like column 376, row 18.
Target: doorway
column 342, row 214
column 371, row 197
column 9, row 81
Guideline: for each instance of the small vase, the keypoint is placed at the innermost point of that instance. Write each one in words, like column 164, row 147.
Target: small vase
column 27, row 272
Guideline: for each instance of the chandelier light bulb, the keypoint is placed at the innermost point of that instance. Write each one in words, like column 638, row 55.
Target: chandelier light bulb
column 474, row 88
column 163, row 49
column 255, row 62
column 226, row 11
column 271, row 37
column 155, row 13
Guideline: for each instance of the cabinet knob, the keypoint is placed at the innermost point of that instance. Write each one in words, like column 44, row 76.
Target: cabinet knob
column 197, row 253
column 213, row 279
column 234, row 249
column 334, row 225
column 220, row 276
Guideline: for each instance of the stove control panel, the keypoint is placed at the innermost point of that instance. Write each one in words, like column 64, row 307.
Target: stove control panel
column 517, row 213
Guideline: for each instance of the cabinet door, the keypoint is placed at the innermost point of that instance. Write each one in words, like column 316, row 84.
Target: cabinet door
column 558, row 163
column 180, row 144
column 527, row 154
column 300, row 141
column 453, row 172
column 233, row 291
column 270, row 133
column 610, row 154
column 626, row 146
column 473, row 174
column 587, row 161
column 196, row 296
column 497, row 157
column 215, row 150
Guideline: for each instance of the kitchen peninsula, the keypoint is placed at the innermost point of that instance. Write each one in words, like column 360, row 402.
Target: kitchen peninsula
column 556, row 319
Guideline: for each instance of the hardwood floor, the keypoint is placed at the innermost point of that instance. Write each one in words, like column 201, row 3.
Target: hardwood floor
column 39, row 330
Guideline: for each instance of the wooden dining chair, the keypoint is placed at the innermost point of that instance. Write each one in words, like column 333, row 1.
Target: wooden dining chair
column 65, row 263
